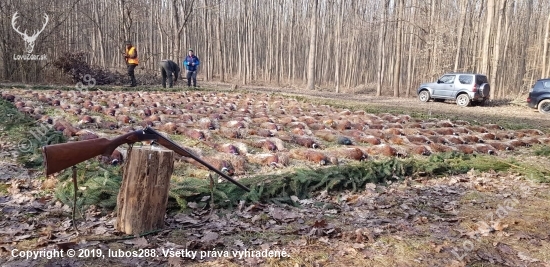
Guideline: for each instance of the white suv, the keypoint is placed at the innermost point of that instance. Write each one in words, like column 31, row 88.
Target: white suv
column 465, row 88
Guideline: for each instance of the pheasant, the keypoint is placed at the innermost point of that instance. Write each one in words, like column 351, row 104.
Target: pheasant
column 266, row 160
column 503, row 136
column 169, row 127
column 86, row 135
column 418, row 139
column 455, row 139
column 304, row 141
column 444, row 124
column 427, row 132
column 466, row 149
column 413, row 125
column 235, row 124
column 96, row 108
column 531, row 132
column 369, row 139
column 191, row 133
column 125, row 119
column 499, row 145
column 264, row 144
column 375, row 132
column 206, row 124
column 470, row 138
column 438, row 139
column 9, row 98
column 419, row 150
column 85, row 119
column 393, row 126
column 492, row 126
column 475, row 128
column 317, row 126
column 309, row 155
column 439, row 148
column 342, row 125
column 353, row 153
column 261, row 132
column 485, row 149
column 326, row 135
column 445, row 131
column 487, row 136
column 382, row 149
column 230, row 133
column 375, row 126
column 530, row 141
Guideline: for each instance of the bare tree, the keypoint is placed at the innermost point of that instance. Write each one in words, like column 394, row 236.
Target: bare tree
column 312, row 46
column 545, row 71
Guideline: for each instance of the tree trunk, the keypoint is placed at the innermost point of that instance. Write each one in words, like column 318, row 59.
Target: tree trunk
column 312, row 47
column 221, row 57
column 399, row 46
column 143, row 195
column 381, row 49
column 487, row 37
column 545, row 72
column 338, row 46
column 496, row 50
column 463, row 10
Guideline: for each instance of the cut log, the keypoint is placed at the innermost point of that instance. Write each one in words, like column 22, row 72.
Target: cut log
column 143, row 195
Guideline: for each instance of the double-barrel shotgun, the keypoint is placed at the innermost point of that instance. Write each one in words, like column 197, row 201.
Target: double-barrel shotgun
column 58, row 157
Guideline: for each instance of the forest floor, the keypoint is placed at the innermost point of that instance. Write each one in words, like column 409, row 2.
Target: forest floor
column 472, row 219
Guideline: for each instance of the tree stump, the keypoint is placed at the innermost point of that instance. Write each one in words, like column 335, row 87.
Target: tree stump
column 143, row 195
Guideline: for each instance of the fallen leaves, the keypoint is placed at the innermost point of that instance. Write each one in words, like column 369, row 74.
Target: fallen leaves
column 369, row 225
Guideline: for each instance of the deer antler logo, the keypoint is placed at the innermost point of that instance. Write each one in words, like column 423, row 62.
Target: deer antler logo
column 29, row 40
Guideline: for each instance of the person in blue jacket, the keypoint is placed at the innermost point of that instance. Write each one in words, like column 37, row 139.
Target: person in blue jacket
column 191, row 63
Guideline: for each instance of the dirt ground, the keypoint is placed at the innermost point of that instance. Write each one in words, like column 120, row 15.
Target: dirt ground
column 474, row 219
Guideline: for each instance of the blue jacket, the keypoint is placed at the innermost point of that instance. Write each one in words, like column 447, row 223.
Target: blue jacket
column 191, row 63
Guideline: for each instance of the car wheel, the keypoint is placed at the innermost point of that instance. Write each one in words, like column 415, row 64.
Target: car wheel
column 463, row 100
column 424, row 96
column 544, row 106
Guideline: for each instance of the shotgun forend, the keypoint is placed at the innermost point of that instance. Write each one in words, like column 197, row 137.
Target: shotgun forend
column 61, row 156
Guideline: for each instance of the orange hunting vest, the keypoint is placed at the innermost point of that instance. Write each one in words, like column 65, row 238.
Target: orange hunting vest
column 132, row 52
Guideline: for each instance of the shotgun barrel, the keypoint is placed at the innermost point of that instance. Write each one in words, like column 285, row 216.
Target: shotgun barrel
column 165, row 142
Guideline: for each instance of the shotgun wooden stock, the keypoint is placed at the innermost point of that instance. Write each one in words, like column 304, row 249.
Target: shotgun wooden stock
column 61, row 156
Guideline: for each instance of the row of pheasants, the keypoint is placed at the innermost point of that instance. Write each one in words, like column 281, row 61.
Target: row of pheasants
column 264, row 129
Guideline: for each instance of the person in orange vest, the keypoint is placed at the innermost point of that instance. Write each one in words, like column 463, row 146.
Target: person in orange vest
column 132, row 61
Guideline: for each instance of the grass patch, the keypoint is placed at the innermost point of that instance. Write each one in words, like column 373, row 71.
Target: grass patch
column 543, row 151
column 4, row 189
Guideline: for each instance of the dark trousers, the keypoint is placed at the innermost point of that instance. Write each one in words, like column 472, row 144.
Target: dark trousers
column 131, row 68
column 166, row 74
column 192, row 75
